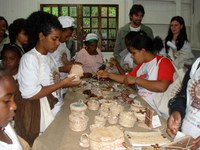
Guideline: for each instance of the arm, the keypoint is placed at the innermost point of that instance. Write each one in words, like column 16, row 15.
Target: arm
column 165, row 77
column 195, row 143
column 115, row 77
column 46, row 90
column 29, row 79
column 177, row 106
column 117, row 65
column 65, row 68
column 151, row 85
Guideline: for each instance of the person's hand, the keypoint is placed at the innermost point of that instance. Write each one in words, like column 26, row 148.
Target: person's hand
column 102, row 74
column 67, row 68
column 129, row 80
column 195, row 144
column 173, row 124
column 69, row 81
column 113, row 61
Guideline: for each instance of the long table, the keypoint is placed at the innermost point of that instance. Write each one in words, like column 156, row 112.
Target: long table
column 59, row 136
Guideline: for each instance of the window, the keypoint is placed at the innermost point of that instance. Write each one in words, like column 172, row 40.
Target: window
column 99, row 19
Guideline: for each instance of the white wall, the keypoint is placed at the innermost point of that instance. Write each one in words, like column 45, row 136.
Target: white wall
column 13, row 9
column 196, row 26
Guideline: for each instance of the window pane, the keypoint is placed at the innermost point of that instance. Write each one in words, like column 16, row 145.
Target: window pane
column 104, row 23
column 86, row 22
column 55, row 11
column 47, row 9
column 112, row 12
column 73, row 11
column 86, row 11
column 94, row 11
column 112, row 23
column 112, row 34
column 95, row 31
column 104, row 45
column 94, row 22
column 104, row 34
column 86, row 31
column 104, row 11
column 64, row 11
column 111, row 45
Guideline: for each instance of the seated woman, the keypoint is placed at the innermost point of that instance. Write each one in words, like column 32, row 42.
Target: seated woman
column 90, row 57
column 176, row 45
column 152, row 74
column 17, row 34
column 38, row 78
column 8, row 137
column 10, row 59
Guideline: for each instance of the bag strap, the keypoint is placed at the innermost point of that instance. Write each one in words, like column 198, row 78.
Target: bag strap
column 180, row 73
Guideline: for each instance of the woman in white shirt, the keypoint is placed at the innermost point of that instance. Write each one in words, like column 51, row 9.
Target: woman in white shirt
column 39, row 78
column 176, row 45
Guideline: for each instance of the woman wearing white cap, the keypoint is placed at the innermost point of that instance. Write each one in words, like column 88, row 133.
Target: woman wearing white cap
column 90, row 56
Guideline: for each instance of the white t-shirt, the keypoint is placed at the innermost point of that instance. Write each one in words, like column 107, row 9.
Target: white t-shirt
column 150, row 70
column 15, row 142
column 192, row 117
column 36, row 70
column 135, row 29
column 186, row 48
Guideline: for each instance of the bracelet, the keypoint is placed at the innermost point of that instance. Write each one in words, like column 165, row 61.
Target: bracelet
column 135, row 80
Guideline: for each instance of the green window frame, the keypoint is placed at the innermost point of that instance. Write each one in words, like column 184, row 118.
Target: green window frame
column 96, row 18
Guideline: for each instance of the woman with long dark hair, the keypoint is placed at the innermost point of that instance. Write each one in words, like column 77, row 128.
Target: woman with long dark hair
column 176, row 44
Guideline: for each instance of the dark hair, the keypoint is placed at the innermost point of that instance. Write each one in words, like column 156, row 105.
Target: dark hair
column 10, row 47
column 144, row 41
column 3, row 73
column 182, row 37
column 130, row 35
column 40, row 22
column 136, row 8
column 2, row 18
column 15, row 28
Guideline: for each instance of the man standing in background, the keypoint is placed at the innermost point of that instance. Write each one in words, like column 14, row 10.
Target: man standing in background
column 136, row 15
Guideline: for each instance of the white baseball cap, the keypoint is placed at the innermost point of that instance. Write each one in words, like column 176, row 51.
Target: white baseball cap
column 91, row 37
column 66, row 21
